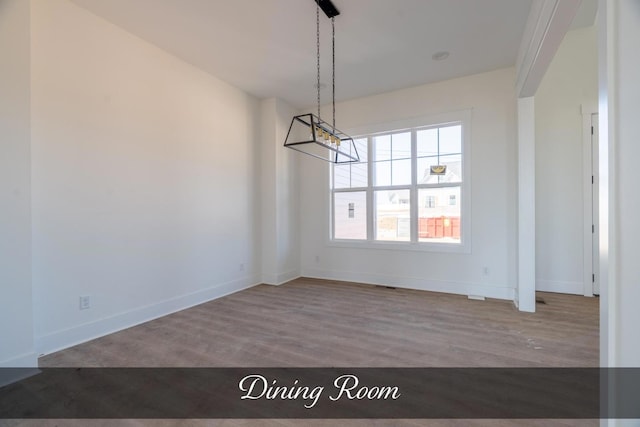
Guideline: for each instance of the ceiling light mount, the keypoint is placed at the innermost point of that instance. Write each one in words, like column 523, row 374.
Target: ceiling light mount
column 440, row 56
column 328, row 8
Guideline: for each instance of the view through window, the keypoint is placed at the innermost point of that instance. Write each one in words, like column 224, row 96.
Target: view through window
column 407, row 187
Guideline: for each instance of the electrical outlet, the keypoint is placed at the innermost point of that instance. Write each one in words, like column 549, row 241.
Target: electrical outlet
column 85, row 302
column 485, row 271
column 242, row 267
column 317, row 259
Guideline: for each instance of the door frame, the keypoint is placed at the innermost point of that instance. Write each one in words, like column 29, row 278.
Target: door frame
column 590, row 189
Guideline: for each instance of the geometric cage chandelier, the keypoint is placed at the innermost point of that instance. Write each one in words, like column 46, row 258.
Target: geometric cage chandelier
column 308, row 133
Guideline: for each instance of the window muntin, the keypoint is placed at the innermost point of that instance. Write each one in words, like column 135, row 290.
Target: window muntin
column 392, row 159
column 415, row 187
column 440, row 146
column 353, row 175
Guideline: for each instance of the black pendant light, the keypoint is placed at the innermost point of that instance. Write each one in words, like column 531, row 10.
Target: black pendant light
column 308, row 133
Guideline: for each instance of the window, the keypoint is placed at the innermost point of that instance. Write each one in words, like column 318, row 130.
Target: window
column 430, row 202
column 409, row 188
column 350, row 212
column 349, row 206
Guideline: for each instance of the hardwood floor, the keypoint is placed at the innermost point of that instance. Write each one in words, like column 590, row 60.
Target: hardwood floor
column 314, row 323
column 322, row 324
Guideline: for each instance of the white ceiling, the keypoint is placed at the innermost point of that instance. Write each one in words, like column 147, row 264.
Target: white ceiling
column 268, row 47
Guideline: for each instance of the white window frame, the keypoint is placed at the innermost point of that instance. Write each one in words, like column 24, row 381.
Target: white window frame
column 440, row 120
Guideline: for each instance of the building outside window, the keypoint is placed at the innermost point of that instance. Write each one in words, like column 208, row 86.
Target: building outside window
column 409, row 188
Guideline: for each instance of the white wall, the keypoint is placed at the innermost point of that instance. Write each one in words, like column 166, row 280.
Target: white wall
column 627, row 126
column 287, row 198
column 493, row 180
column 570, row 81
column 620, row 133
column 16, row 316
column 526, row 291
column 279, row 196
column 268, row 205
column 145, row 182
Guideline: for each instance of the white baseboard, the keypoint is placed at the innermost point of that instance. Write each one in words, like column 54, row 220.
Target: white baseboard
column 66, row 338
column 281, row 278
column 288, row 276
column 575, row 288
column 458, row 288
column 26, row 360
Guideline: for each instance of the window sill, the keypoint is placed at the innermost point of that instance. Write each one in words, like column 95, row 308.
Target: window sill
column 458, row 248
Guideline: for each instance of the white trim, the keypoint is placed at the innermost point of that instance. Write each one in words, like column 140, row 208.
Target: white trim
column 595, row 249
column 559, row 286
column 548, row 22
column 269, row 279
column 400, row 246
column 406, row 282
column 26, row 360
column 66, row 338
column 607, row 203
column 587, row 189
column 588, row 174
column 288, row 276
column 526, row 205
column 283, row 278
column 413, row 122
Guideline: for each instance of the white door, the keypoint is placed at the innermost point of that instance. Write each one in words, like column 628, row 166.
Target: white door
column 595, row 252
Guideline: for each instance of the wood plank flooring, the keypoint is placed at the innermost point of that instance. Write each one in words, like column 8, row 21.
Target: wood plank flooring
column 322, row 324
column 318, row 323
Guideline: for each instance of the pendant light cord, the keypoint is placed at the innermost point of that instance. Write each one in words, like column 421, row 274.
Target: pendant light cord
column 333, row 62
column 318, row 52
column 333, row 52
